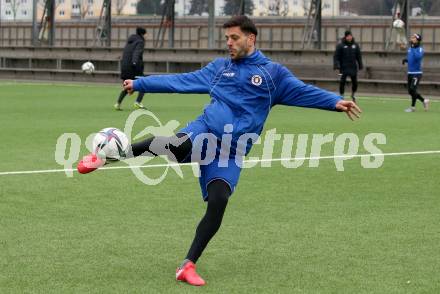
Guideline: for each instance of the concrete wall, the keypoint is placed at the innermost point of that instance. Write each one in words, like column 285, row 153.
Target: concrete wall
column 305, row 62
column 383, row 71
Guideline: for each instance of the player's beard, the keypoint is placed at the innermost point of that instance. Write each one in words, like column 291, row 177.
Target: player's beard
column 239, row 53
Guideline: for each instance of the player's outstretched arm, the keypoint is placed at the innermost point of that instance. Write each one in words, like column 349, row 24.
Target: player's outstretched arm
column 197, row 82
column 350, row 108
column 293, row 92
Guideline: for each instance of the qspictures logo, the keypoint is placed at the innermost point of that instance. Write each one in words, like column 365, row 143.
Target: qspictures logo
column 291, row 150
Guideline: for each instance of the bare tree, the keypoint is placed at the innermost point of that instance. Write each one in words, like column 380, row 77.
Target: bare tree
column 306, row 7
column 41, row 4
column 232, row 7
column 278, row 7
column 274, row 7
column 120, row 4
column 14, row 5
column 84, row 7
column 198, row 7
column 284, row 8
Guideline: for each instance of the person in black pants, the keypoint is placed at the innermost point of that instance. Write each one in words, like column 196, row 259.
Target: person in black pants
column 414, row 59
column 132, row 65
column 348, row 60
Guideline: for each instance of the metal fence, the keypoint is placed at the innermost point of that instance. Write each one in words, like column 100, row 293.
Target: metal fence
column 276, row 33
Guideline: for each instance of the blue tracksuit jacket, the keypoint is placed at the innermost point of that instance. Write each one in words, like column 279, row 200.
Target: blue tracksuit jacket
column 415, row 58
column 242, row 92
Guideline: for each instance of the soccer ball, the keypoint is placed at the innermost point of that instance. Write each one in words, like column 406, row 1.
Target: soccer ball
column 398, row 24
column 88, row 67
column 110, row 143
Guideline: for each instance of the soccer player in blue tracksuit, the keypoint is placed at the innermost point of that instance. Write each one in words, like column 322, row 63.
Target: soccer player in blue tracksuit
column 414, row 60
column 243, row 89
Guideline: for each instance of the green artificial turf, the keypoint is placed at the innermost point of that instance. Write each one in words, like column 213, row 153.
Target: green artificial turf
column 303, row 230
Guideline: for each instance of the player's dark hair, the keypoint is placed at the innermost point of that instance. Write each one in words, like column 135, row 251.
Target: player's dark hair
column 418, row 37
column 140, row 31
column 246, row 25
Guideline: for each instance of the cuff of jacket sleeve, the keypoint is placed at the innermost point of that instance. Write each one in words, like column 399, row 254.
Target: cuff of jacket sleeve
column 136, row 85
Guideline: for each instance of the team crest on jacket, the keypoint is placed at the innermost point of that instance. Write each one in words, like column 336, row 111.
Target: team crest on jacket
column 256, row 80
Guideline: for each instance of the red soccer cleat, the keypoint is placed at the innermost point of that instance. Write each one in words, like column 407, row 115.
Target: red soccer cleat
column 90, row 163
column 188, row 274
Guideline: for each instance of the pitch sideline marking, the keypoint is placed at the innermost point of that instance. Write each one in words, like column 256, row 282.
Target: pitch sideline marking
column 80, row 84
column 246, row 161
column 400, row 98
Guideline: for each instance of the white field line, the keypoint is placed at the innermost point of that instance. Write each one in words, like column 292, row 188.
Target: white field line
column 55, row 83
column 246, row 161
column 362, row 96
column 399, row 98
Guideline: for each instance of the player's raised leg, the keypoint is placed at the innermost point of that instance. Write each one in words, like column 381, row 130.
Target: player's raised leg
column 177, row 148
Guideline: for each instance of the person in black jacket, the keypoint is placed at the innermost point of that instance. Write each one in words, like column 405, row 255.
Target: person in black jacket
column 348, row 60
column 132, row 64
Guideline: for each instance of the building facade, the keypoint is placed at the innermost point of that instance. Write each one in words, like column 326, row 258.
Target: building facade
column 293, row 7
column 16, row 9
column 290, row 8
column 64, row 9
column 76, row 9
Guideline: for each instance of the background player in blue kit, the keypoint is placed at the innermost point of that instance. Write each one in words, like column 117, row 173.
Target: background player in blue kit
column 414, row 60
column 243, row 89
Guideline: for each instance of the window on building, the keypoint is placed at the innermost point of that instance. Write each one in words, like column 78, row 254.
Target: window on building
column 90, row 1
column 61, row 12
column 8, row 12
column 24, row 12
column 90, row 13
column 23, row 1
column 8, row 1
